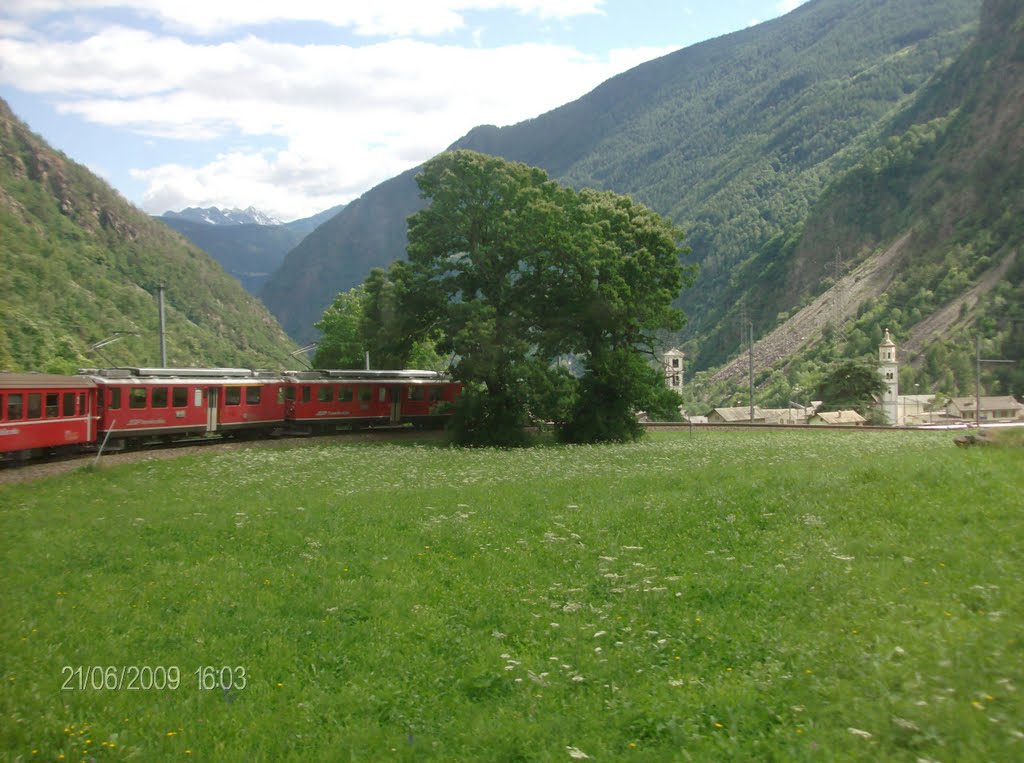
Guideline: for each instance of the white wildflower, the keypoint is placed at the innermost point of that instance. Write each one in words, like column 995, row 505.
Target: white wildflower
column 860, row 733
column 903, row 723
column 576, row 753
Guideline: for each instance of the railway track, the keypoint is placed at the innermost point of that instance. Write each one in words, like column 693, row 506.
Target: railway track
column 14, row 472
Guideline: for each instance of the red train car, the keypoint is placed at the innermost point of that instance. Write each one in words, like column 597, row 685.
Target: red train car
column 326, row 400
column 45, row 413
column 430, row 402
column 171, row 403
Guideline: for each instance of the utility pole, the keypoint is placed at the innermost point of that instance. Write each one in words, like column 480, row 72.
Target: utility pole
column 750, row 351
column 977, row 379
column 163, row 337
column 977, row 384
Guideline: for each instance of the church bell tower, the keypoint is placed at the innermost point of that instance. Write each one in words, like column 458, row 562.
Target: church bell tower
column 890, row 373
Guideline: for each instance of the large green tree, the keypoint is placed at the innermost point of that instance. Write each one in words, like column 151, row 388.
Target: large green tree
column 342, row 343
column 515, row 270
column 851, row 385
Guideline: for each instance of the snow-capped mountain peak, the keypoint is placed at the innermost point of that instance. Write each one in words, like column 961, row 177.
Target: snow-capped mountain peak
column 215, row 216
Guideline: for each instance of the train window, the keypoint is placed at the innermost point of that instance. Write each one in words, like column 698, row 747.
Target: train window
column 253, row 395
column 81, row 404
column 137, row 397
column 159, row 397
column 435, row 394
column 52, row 405
column 232, row 395
column 179, row 397
column 280, row 395
column 15, row 406
column 344, row 394
column 115, row 399
column 305, row 394
column 365, row 394
column 415, row 393
column 289, row 393
column 68, row 407
column 325, row 393
column 35, row 405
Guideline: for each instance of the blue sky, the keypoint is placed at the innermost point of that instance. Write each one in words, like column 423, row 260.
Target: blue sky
column 299, row 105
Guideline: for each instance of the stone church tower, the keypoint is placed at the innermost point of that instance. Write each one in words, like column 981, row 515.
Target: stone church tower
column 890, row 373
column 672, row 364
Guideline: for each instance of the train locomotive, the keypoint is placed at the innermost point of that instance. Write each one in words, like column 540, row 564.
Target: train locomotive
column 43, row 414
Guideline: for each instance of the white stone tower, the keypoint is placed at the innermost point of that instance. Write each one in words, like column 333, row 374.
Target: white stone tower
column 672, row 362
column 890, row 373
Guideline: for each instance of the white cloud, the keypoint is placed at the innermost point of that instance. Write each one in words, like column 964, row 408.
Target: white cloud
column 390, row 18
column 340, row 118
column 350, row 116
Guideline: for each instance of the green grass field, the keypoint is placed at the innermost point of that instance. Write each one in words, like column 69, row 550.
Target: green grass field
column 719, row 596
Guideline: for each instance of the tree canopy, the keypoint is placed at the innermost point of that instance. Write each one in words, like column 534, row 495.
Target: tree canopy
column 515, row 271
column 341, row 344
column 851, row 385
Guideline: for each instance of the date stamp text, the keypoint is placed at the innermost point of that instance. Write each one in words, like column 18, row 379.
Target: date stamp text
column 152, row 677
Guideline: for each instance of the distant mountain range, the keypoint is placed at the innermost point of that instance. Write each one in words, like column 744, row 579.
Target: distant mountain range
column 82, row 265
column 246, row 248
column 734, row 139
column 215, row 216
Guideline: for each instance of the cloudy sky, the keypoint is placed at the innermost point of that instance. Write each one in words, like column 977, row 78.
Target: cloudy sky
column 293, row 106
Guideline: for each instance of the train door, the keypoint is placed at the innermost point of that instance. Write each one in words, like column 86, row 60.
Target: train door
column 85, row 403
column 396, row 404
column 211, row 409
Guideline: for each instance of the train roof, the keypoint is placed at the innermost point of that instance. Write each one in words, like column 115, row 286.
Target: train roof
column 43, row 381
column 407, row 376
column 344, row 373
column 141, row 374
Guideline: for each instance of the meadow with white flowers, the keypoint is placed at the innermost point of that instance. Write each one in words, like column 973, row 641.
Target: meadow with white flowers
column 708, row 596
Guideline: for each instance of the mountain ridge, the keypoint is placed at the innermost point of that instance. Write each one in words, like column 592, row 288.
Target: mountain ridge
column 733, row 139
column 82, row 264
column 216, row 216
column 248, row 251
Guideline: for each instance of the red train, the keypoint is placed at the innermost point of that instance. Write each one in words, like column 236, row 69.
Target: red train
column 44, row 413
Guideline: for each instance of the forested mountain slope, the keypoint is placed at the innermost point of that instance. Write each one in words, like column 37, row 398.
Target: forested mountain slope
column 930, row 227
column 250, row 252
column 734, row 139
column 80, row 263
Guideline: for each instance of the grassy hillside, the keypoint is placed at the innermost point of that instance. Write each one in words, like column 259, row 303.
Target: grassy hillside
column 734, row 138
column 80, row 263
column 719, row 597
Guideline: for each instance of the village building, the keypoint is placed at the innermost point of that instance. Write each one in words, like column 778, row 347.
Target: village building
column 740, row 415
column 916, row 409
column 993, row 409
column 837, row 419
